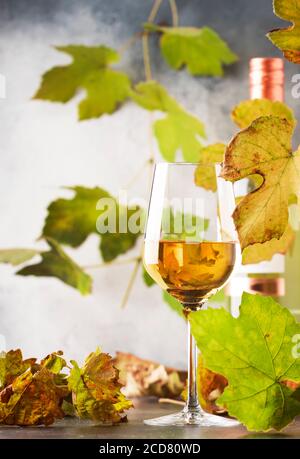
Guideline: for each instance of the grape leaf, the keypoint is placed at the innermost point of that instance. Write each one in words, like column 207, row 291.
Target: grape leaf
column 201, row 50
column 114, row 244
column 12, row 365
column 17, row 256
column 243, row 115
column 264, row 148
column 71, row 221
column 205, row 174
column 54, row 362
column 143, row 378
column 68, row 408
column 96, row 389
column 288, row 38
column 105, row 88
column 32, row 398
column 263, row 252
column 210, row 386
column 248, row 111
column 254, row 353
column 56, row 263
column 178, row 130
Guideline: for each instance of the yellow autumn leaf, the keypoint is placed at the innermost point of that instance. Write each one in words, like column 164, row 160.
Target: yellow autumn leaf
column 264, row 252
column 205, row 174
column 243, row 115
column 287, row 39
column 96, row 389
column 249, row 110
column 264, row 148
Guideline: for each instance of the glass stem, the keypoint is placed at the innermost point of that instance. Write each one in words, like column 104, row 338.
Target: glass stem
column 192, row 398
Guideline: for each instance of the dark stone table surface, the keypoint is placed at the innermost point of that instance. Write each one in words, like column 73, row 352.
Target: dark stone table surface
column 144, row 408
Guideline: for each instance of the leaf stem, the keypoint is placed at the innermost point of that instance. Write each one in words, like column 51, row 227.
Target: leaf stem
column 137, row 173
column 127, row 261
column 154, row 10
column 131, row 282
column 148, row 72
column 145, row 40
column 146, row 56
column 151, row 159
column 130, row 42
column 174, row 12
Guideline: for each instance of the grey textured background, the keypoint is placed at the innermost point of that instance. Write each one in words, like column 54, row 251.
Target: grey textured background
column 43, row 147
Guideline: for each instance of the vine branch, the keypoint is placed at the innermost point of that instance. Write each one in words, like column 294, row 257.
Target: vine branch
column 146, row 56
column 127, row 261
column 154, row 10
column 174, row 12
column 131, row 282
column 145, row 40
column 138, row 173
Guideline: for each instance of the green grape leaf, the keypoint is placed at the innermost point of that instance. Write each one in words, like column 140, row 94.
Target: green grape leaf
column 201, row 50
column 288, row 38
column 174, row 304
column 147, row 278
column 219, row 297
column 178, row 130
column 89, row 70
column 12, row 365
column 255, row 354
column 96, row 390
column 54, row 362
column 32, row 398
column 16, row 257
column 264, row 252
column 265, row 149
column 71, row 221
column 68, row 408
column 114, row 244
column 249, row 110
column 205, row 174
column 56, row 263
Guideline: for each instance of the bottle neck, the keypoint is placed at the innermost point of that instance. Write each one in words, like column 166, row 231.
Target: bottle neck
column 266, row 78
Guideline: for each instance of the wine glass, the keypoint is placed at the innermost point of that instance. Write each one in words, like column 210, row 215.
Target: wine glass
column 190, row 246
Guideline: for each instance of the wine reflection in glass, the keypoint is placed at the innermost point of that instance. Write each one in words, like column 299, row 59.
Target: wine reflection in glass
column 190, row 246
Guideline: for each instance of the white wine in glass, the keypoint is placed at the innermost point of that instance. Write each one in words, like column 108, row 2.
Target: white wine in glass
column 190, row 248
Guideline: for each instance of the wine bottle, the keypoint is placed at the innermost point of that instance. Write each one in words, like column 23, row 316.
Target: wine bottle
column 266, row 78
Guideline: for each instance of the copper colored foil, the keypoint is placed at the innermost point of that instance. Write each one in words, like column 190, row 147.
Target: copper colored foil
column 267, row 78
column 265, row 286
column 270, row 287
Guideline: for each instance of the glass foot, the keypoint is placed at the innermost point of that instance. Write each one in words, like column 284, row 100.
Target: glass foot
column 196, row 417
